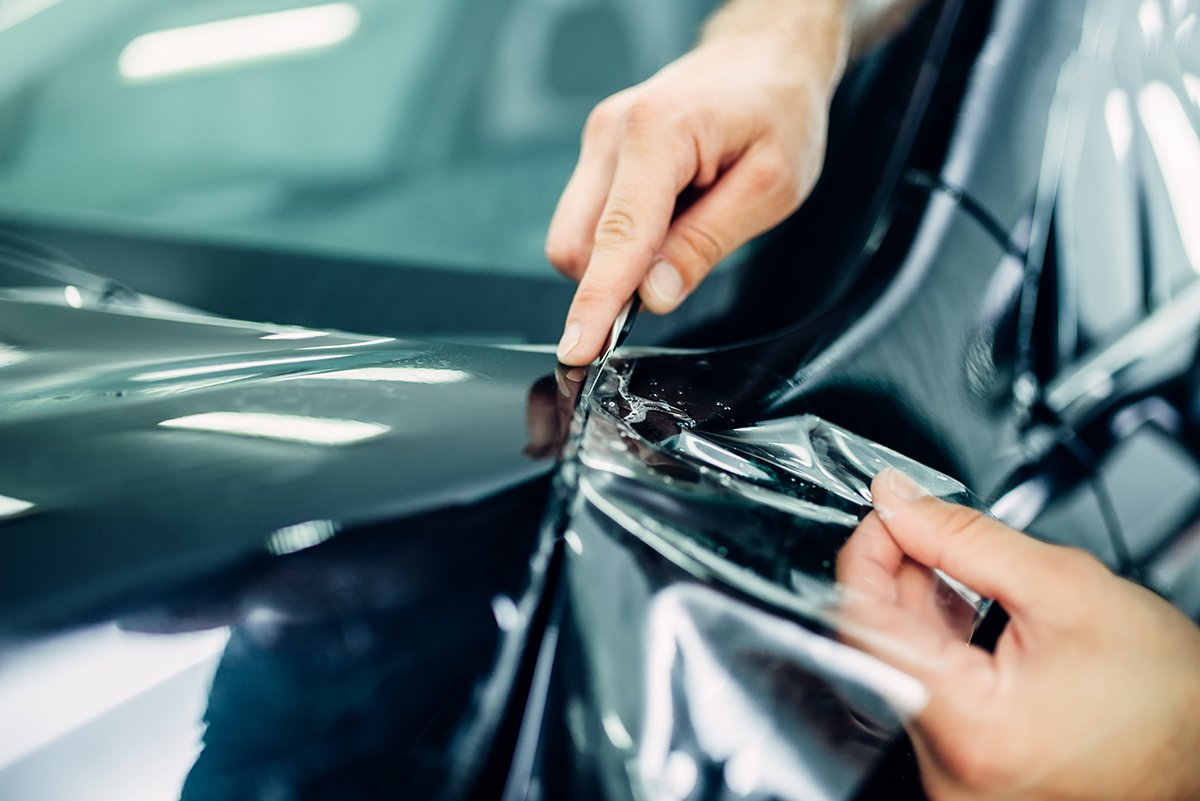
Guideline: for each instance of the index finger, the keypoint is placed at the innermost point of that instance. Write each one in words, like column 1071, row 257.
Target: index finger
column 630, row 231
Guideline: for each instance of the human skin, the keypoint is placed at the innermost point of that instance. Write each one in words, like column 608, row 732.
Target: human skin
column 740, row 122
column 1092, row 692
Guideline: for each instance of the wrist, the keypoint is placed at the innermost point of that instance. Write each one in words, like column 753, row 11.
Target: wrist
column 808, row 39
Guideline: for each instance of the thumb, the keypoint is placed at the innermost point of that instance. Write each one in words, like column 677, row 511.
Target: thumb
column 979, row 551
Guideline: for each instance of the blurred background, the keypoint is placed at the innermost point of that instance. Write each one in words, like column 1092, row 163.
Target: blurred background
column 438, row 132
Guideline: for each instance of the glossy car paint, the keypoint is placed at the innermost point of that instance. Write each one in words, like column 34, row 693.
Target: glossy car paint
column 408, row 614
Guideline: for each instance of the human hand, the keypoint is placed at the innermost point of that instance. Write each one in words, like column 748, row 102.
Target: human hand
column 1093, row 691
column 741, row 120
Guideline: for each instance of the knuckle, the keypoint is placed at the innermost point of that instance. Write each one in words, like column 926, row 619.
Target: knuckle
column 775, row 176
column 602, row 117
column 647, row 114
column 702, row 245
column 564, row 257
column 976, row 766
column 1079, row 564
column 616, row 227
column 590, row 297
column 963, row 523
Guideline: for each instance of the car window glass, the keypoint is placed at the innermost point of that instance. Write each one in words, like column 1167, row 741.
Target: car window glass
column 429, row 131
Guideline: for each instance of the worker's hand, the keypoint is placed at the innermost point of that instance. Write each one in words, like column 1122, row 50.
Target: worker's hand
column 740, row 120
column 1093, row 691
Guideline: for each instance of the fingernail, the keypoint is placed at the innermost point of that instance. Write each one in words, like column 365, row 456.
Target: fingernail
column 570, row 339
column 904, row 487
column 665, row 283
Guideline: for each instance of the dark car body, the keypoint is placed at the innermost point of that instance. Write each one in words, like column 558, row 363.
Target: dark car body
column 277, row 561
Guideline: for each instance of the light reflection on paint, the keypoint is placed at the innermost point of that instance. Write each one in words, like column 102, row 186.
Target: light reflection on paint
column 225, row 367
column 299, row 537
column 1150, row 17
column 282, row 427
column 1191, row 83
column 1176, row 146
column 364, row 344
column 237, row 41
column 508, row 616
column 406, row 375
column 298, row 334
column 61, row 684
column 14, row 12
column 1119, row 121
column 617, row 734
column 73, row 297
column 10, row 355
column 11, row 507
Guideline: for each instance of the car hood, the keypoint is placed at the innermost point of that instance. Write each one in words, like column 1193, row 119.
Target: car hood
column 142, row 449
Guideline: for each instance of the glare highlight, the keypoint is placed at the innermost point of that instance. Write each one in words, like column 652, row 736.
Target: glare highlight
column 1176, row 146
column 282, row 427
column 298, row 334
column 58, row 686
column 405, row 375
column 238, row 41
column 11, row 507
column 299, row 537
column 73, row 297
column 223, row 367
column 1119, row 121
column 10, row 355
column 14, row 12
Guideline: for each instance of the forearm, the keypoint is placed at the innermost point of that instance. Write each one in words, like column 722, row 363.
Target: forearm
column 815, row 34
column 832, row 31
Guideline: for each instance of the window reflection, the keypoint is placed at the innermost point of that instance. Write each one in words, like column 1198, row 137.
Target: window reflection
column 406, row 375
column 14, row 12
column 283, row 427
column 1177, row 148
column 237, row 41
column 225, row 367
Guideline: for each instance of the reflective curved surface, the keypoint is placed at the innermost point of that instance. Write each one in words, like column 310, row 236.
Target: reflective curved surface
column 259, row 561
column 714, row 634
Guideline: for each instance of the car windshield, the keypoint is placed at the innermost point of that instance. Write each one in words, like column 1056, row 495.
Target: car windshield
column 432, row 132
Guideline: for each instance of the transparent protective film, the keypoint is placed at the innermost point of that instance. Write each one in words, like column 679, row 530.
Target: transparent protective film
column 719, row 639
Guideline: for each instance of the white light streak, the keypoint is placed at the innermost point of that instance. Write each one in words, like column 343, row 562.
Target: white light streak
column 283, row 427
column 575, row 543
column 11, row 507
column 1191, row 83
column 618, row 735
column 405, row 375
column 681, row 775
column 1150, row 16
column 1176, row 147
column 507, row 615
column 225, row 367
column 366, row 343
column 73, row 297
column 299, row 537
column 63, row 683
column 14, row 12
column 298, row 334
column 237, row 41
column 10, row 355
column 1120, row 122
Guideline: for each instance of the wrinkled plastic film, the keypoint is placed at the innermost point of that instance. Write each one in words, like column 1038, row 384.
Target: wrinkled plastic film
column 715, row 652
